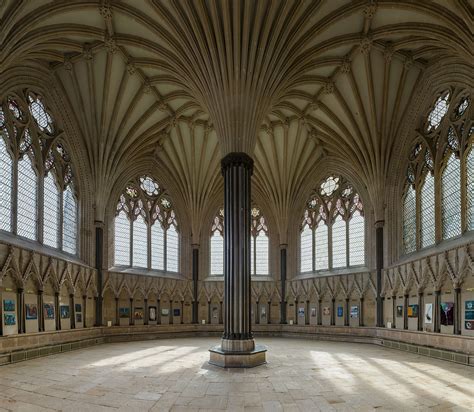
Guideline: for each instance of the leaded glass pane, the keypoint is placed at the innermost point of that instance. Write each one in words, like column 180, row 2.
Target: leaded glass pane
column 5, row 188
column 470, row 189
column 339, row 243
column 451, row 198
column 252, row 255
column 157, row 247
column 261, row 253
column 122, row 239
column 356, row 240
column 27, row 196
column 409, row 221
column 172, row 249
column 140, row 243
column 321, row 247
column 69, row 221
column 427, row 206
column 306, row 249
column 217, row 254
column 50, row 211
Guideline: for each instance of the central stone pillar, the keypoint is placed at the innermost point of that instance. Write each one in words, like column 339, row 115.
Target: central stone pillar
column 237, row 348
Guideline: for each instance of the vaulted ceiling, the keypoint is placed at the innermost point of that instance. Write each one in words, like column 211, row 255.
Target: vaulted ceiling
column 183, row 82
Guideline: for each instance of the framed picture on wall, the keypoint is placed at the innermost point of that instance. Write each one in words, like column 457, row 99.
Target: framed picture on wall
column 447, row 313
column 8, row 305
column 9, row 319
column 469, row 325
column 399, row 311
column 138, row 314
column 429, row 313
column 354, row 312
column 165, row 312
column 469, row 305
column 301, row 312
column 78, row 307
column 469, row 315
column 64, row 311
column 31, row 311
column 152, row 313
column 313, row 312
column 326, row 311
column 78, row 317
column 124, row 313
column 48, row 311
column 340, row 311
column 412, row 311
column 176, row 312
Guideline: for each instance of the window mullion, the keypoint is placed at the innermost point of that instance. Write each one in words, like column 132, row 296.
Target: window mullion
column 14, row 214
column 330, row 246
column 130, row 262
column 165, row 249
column 463, row 165
column 148, row 233
column 40, row 206
column 347, row 243
column 61, row 221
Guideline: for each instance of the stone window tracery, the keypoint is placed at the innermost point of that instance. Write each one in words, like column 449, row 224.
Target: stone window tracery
column 439, row 174
column 146, row 228
column 259, row 244
column 333, row 229
column 38, row 200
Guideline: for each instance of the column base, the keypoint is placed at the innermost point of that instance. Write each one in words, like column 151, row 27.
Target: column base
column 238, row 353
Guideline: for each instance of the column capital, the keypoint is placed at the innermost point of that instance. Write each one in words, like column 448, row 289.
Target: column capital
column 195, row 246
column 283, row 245
column 236, row 159
column 379, row 223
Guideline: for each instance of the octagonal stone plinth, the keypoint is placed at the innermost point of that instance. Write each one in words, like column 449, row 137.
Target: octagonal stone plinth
column 233, row 359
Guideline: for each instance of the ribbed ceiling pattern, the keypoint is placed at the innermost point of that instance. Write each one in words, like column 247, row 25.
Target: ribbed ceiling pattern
column 135, row 70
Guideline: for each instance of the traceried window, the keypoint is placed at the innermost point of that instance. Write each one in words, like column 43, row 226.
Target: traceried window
column 437, row 185
column 259, row 244
column 146, row 229
column 470, row 188
column 217, row 244
column 451, row 198
column 427, row 210
column 34, row 161
column 409, row 221
column 6, row 169
column 259, row 256
column 333, row 225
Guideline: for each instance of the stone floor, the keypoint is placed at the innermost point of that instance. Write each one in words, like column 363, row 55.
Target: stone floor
column 301, row 375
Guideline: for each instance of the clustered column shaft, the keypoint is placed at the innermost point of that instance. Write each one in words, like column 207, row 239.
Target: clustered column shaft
column 237, row 170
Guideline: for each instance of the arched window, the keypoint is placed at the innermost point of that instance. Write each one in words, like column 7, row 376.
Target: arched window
column 217, row 245
column 427, row 210
column 27, row 199
column 409, row 221
column 146, row 228
column 339, row 246
column 321, row 247
column 259, row 244
column 30, row 145
column 451, row 198
column 335, row 212
column 140, row 239
column 357, row 239
column 259, row 254
column 6, row 170
column 306, row 249
column 51, row 211
column 470, row 189
column 434, row 176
